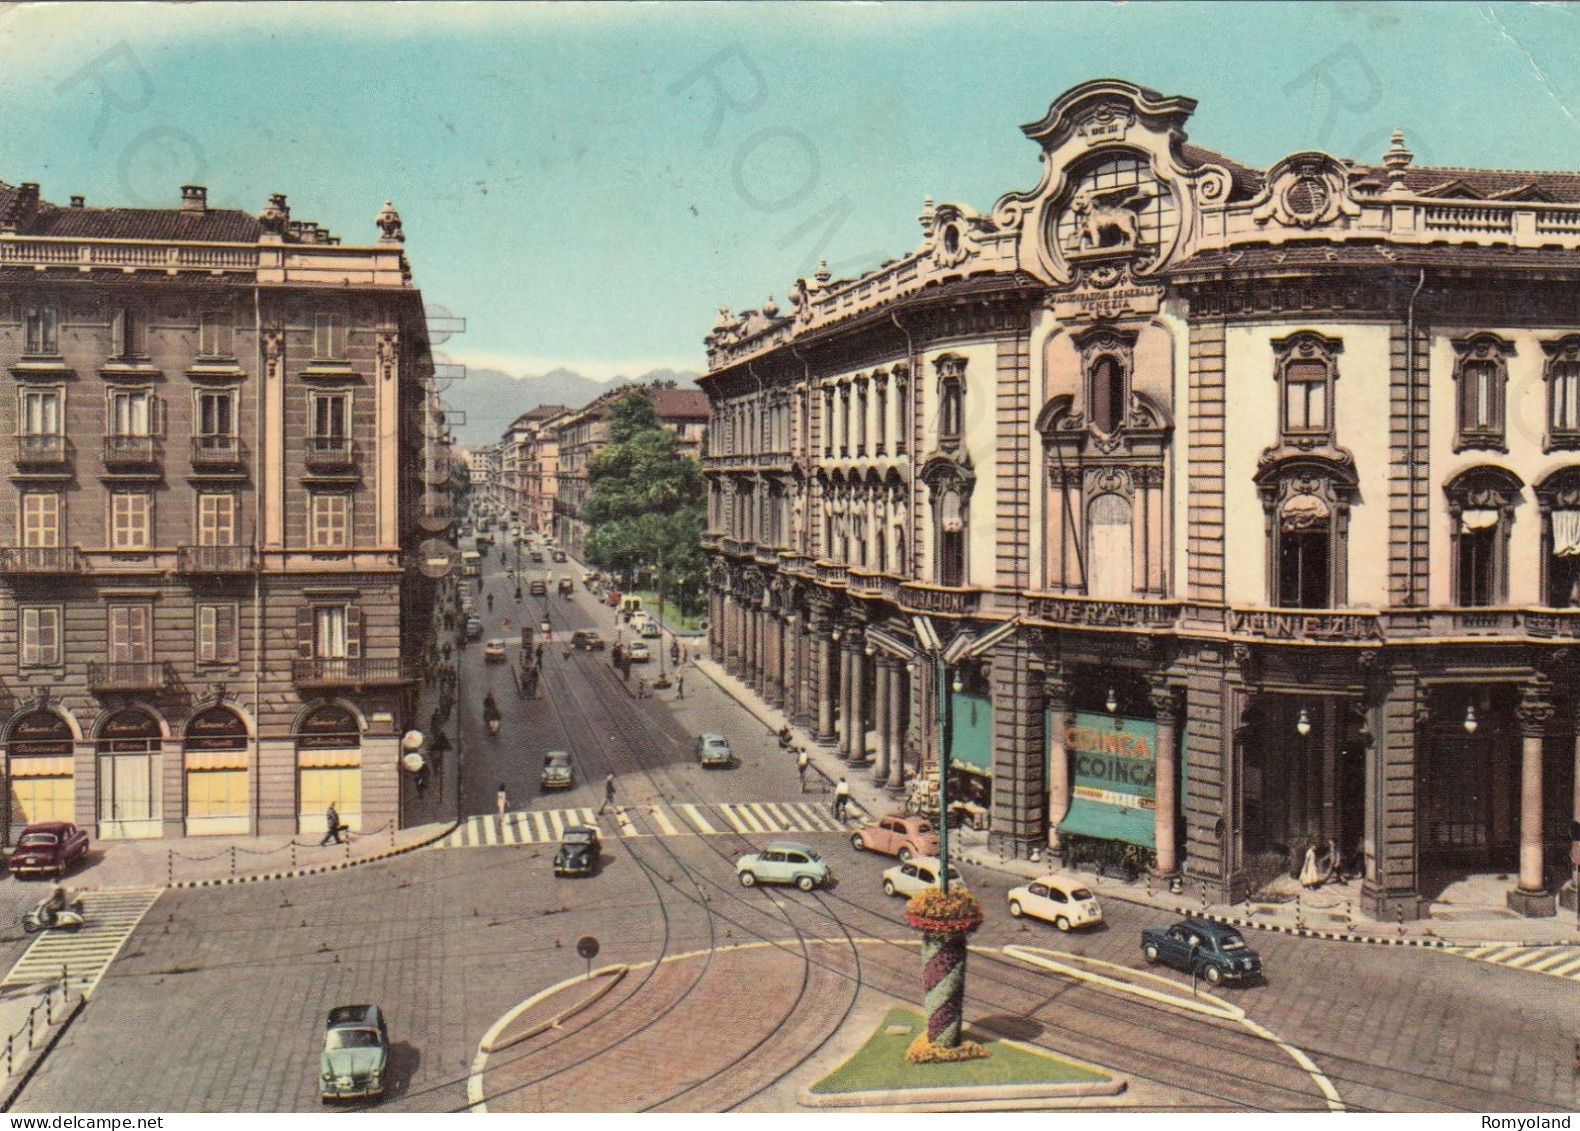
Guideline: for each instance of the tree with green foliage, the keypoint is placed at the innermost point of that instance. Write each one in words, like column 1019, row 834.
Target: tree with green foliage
column 645, row 504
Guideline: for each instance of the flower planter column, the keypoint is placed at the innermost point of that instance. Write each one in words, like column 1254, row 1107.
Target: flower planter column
column 944, row 981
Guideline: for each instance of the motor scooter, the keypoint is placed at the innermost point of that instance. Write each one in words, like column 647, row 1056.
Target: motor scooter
column 68, row 918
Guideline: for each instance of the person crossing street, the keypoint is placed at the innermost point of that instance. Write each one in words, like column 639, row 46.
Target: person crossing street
column 841, row 799
column 608, row 793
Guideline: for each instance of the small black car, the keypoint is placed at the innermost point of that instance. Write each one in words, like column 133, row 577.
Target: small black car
column 1217, row 952
column 579, row 852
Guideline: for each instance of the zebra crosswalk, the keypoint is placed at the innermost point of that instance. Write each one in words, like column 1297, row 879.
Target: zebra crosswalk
column 83, row 955
column 748, row 818
column 1559, row 961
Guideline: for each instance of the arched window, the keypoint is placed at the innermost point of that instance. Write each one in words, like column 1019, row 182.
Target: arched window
column 1107, row 396
column 951, row 398
column 950, row 528
column 1559, row 498
column 1481, row 505
column 1307, row 501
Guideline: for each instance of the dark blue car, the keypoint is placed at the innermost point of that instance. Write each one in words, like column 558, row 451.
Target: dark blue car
column 1216, row 952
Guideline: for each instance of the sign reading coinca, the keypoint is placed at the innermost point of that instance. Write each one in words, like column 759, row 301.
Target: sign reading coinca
column 1114, row 764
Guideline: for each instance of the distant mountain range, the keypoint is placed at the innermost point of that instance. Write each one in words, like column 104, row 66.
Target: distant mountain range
column 492, row 398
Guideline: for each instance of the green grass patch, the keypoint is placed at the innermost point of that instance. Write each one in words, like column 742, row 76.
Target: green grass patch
column 673, row 619
column 880, row 1064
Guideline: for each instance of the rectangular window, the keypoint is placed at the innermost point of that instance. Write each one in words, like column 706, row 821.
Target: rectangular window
column 331, row 641
column 882, row 421
column 40, row 633
column 41, row 412
column 41, row 519
column 828, row 421
column 331, row 416
column 216, row 334
column 1565, row 379
column 132, row 412
column 41, row 330
column 330, row 521
column 131, row 520
column 329, row 336
column 1306, row 397
column 129, row 333
column 216, row 519
column 131, row 629
column 216, row 634
column 216, row 412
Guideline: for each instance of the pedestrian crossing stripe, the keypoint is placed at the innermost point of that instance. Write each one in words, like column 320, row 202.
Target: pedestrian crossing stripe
column 84, row 955
column 1557, row 961
column 533, row 826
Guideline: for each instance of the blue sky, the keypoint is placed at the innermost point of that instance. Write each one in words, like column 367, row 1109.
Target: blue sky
column 572, row 183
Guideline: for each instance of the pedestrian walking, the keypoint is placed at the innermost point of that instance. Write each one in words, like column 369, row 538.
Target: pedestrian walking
column 801, row 761
column 680, row 685
column 608, row 793
column 641, row 687
column 333, row 827
column 841, row 799
column 501, row 803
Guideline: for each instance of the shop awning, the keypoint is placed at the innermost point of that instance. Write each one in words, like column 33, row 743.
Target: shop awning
column 1108, row 822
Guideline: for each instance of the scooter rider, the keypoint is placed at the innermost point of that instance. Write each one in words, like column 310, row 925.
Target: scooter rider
column 490, row 708
column 50, row 907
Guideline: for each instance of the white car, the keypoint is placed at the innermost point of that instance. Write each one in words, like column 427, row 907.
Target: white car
column 639, row 652
column 1064, row 902
column 916, row 874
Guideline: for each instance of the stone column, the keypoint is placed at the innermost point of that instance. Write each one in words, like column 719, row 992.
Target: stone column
column 858, row 708
column 825, row 686
column 1534, row 712
column 880, row 772
column 1056, row 697
column 731, row 636
column 846, row 666
column 1166, row 787
column 716, row 612
column 899, row 681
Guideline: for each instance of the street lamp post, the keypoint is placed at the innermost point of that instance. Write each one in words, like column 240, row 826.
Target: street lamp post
column 945, row 752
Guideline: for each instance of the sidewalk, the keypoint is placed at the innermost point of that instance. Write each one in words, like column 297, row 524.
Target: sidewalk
column 1468, row 913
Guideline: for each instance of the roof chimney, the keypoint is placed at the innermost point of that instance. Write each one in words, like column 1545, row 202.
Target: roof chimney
column 77, row 202
column 194, row 198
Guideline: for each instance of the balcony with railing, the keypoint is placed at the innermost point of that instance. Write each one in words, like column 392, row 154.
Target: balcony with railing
column 831, row 573
column 40, row 561
column 331, row 454
column 872, row 585
column 217, row 453
column 215, row 559
column 121, row 675
column 341, row 671
column 42, row 450
column 133, row 452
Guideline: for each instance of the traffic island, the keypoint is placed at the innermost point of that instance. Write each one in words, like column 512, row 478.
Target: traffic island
column 879, row 1074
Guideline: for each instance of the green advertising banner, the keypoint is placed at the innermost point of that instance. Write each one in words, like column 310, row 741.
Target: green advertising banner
column 972, row 735
column 1114, row 764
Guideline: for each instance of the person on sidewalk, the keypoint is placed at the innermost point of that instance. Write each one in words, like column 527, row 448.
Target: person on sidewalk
column 841, row 799
column 501, row 804
column 801, row 761
column 680, row 685
column 333, row 827
column 608, row 793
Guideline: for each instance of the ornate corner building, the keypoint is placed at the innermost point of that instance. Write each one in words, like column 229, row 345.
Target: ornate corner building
column 220, row 449
column 1219, row 511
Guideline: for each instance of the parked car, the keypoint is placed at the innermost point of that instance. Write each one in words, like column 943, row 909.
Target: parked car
column 640, row 653
column 474, row 628
column 566, row 587
column 1217, row 952
column 650, row 630
column 494, row 651
column 48, row 847
column 783, row 862
column 587, row 639
column 537, row 587
column 536, row 557
column 916, row 874
column 557, row 772
column 714, row 750
column 558, row 555
column 356, row 1054
column 580, row 850
column 897, row 835
column 1058, row 900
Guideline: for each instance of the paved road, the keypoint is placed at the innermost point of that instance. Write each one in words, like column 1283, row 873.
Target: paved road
column 235, row 981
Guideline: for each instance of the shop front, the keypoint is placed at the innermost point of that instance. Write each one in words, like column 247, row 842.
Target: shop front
column 328, row 768
column 40, row 749
column 130, row 758
column 216, row 772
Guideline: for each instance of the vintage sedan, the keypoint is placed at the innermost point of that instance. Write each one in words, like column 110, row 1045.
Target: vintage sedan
column 896, row 835
column 1058, row 900
column 580, row 850
column 587, row 639
column 639, row 653
column 494, row 651
column 1215, row 951
column 48, row 848
column 356, row 1053
column 714, row 750
column 783, row 862
column 916, row 875
column 557, row 772
column 537, row 587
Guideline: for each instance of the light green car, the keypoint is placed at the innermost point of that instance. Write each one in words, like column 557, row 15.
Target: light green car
column 783, row 862
column 356, row 1054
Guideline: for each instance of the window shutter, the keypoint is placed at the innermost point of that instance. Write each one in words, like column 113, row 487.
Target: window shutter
column 207, row 617
column 225, row 643
column 353, row 632
column 30, row 636
column 304, row 632
column 156, row 415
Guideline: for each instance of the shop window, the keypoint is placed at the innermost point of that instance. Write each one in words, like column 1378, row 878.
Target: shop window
column 1481, row 377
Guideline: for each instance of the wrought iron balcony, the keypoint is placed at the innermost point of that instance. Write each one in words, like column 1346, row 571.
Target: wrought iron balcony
column 215, row 559
column 42, row 450
column 347, row 672
column 118, row 675
column 217, row 452
column 132, row 451
column 331, row 453
column 40, row 560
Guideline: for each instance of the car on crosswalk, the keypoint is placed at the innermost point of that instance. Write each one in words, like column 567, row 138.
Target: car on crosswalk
column 356, row 1053
column 783, row 862
column 916, row 875
column 1059, row 900
column 579, row 852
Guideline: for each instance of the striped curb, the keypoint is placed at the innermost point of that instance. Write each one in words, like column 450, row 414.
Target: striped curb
column 317, row 869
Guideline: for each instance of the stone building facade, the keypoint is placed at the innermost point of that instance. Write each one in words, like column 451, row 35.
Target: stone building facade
column 1220, row 511
column 220, row 460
